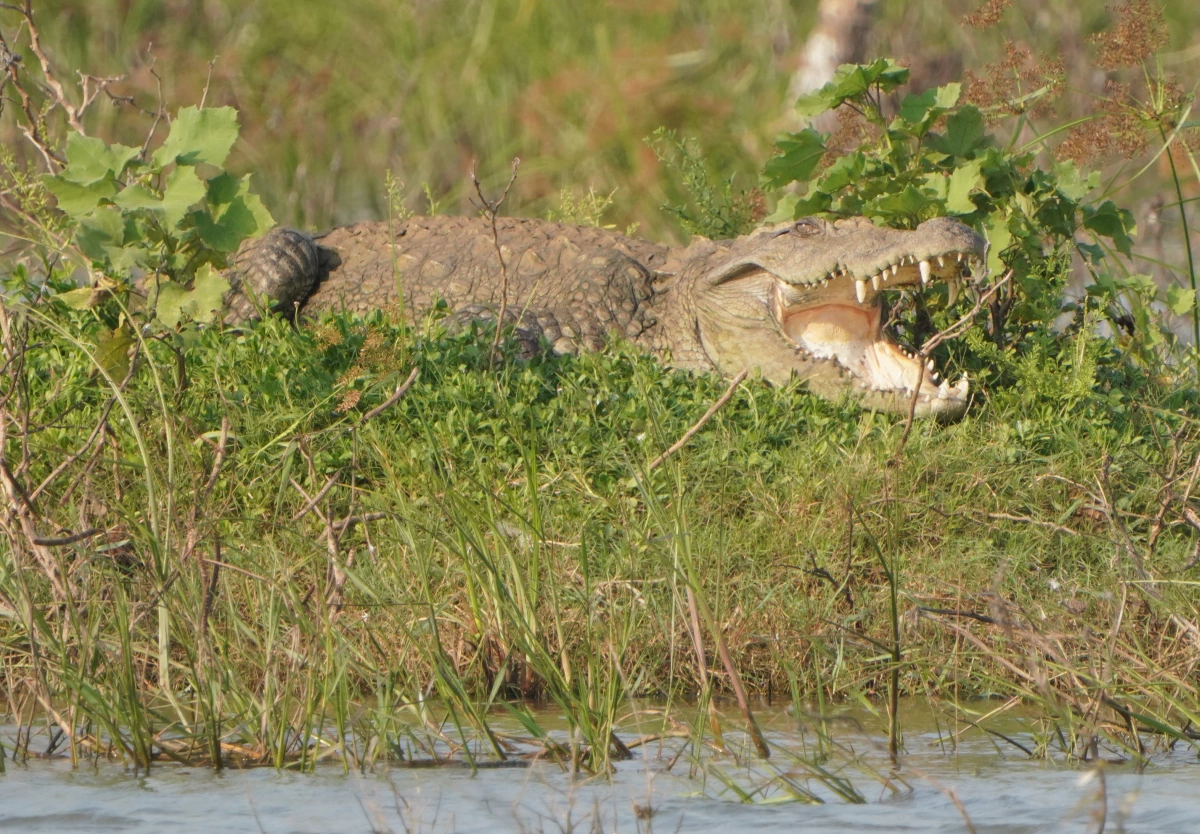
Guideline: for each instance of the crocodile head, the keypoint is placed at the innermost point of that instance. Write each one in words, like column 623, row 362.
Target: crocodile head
column 806, row 299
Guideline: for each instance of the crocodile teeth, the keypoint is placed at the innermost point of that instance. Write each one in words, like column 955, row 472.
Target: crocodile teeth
column 877, row 281
column 952, row 293
column 941, row 261
column 926, row 271
column 860, row 289
column 929, row 364
column 895, row 269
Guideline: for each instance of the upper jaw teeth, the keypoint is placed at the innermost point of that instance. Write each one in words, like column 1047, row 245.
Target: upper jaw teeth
column 939, row 267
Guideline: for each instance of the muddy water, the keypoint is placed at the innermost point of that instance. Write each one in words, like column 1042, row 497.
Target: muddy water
column 1000, row 790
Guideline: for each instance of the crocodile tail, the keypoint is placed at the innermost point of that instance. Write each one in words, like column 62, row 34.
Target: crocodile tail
column 275, row 273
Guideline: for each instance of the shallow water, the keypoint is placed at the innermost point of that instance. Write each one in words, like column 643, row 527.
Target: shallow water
column 1002, row 792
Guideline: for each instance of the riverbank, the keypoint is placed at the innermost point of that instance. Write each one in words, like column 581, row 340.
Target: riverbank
column 267, row 539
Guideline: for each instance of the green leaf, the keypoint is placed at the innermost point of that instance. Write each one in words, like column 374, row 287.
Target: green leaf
column 845, row 172
column 76, row 199
column 79, row 299
column 235, row 223
column 174, row 302
column 98, row 233
column 1112, row 222
column 223, row 188
column 248, row 217
column 199, row 136
column 918, row 108
column 1180, row 300
column 815, row 202
column 999, row 237
column 908, row 203
column 916, row 105
column 90, row 159
column 168, row 303
column 1070, row 184
column 105, row 237
column 138, row 197
column 964, row 132
column 947, row 95
column 208, row 293
column 801, row 153
column 850, row 81
column 263, row 220
column 965, row 181
column 1093, row 252
column 785, row 209
column 183, row 190
column 112, row 351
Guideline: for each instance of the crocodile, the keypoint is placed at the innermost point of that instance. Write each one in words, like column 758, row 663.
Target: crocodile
column 799, row 299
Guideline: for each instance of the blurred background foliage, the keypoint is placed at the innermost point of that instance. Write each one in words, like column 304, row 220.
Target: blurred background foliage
column 332, row 95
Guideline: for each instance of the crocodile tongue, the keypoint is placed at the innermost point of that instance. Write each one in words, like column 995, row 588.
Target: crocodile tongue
column 854, row 337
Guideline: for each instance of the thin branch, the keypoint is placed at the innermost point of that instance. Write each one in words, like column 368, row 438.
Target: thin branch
column 690, row 433
column 491, row 210
column 951, row 332
column 396, row 396
column 71, row 539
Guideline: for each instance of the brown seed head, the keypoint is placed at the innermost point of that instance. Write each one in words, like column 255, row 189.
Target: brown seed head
column 1140, row 31
column 987, row 15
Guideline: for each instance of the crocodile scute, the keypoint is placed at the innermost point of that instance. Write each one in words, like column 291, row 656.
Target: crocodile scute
column 803, row 298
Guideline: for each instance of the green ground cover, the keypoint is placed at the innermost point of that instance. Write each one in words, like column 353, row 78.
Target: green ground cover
column 258, row 545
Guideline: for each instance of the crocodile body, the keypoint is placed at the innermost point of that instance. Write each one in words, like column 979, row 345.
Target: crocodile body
column 800, row 298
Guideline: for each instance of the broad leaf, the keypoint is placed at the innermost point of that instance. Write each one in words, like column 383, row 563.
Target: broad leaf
column 105, row 236
column 964, row 132
column 908, row 203
column 235, row 223
column 183, row 190
column 250, row 218
column 112, row 352
column 174, row 302
column 846, row 171
column 1180, row 300
column 1112, row 222
column 1070, row 184
column 98, row 233
column 138, row 197
column 199, row 136
column 79, row 299
column 90, row 159
column 76, row 199
column 922, row 108
column 850, row 80
column 801, row 153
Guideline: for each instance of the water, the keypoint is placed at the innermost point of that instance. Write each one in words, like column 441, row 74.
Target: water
column 1002, row 792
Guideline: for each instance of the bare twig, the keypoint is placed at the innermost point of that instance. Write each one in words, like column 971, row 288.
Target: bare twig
column 207, row 81
column 396, row 396
column 491, row 210
column 210, row 587
column 951, row 332
column 71, row 539
column 312, row 502
column 193, row 535
column 690, row 433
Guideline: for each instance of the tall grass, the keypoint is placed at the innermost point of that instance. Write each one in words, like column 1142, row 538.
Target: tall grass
column 303, row 585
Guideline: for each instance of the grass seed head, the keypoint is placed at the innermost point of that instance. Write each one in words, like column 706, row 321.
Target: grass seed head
column 1140, row 31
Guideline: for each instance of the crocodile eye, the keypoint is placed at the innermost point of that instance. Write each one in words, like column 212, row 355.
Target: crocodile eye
column 807, row 226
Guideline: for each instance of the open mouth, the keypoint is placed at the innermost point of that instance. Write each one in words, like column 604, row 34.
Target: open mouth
column 840, row 318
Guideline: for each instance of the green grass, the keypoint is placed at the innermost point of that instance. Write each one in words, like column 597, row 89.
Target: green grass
column 509, row 546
